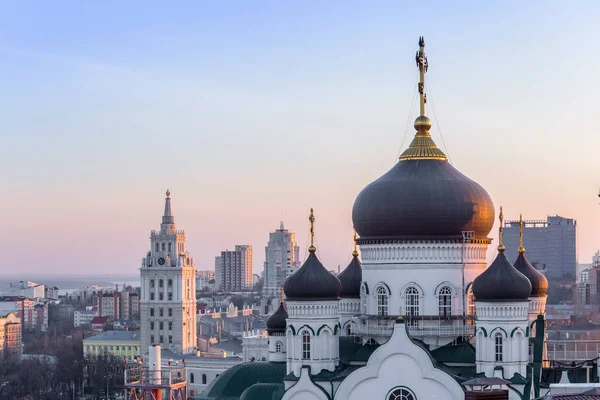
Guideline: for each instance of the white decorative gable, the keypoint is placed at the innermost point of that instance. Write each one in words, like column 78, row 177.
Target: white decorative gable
column 399, row 366
column 305, row 389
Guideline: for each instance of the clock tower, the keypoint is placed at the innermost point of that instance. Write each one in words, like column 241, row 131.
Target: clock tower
column 168, row 281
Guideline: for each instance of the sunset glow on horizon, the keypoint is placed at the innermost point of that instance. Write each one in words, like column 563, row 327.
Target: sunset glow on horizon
column 254, row 114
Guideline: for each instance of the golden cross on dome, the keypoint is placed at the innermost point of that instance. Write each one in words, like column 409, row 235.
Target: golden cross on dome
column 501, row 247
column 311, row 218
column 355, row 252
column 521, row 248
column 423, row 65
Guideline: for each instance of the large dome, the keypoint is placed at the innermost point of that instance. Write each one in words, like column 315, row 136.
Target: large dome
column 423, row 198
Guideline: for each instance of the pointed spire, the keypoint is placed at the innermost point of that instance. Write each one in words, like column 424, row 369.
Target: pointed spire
column 501, row 247
column 168, row 215
column 355, row 252
column 281, row 227
column 311, row 218
column 521, row 248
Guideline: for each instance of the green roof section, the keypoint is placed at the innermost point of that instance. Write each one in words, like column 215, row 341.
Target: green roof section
column 352, row 350
column 264, row 391
column 232, row 383
column 460, row 353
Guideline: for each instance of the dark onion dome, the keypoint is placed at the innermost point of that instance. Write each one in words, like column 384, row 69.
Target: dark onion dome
column 539, row 283
column 351, row 278
column 501, row 282
column 423, row 198
column 312, row 281
column 276, row 322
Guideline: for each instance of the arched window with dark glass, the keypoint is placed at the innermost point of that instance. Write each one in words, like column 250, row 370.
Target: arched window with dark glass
column 349, row 330
column 306, row 345
column 382, row 301
column 192, row 377
column 278, row 347
column 204, row 379
column 445, row 301
column 151, row 283
column 411, row 305
column 160, row 283
column 498, row 347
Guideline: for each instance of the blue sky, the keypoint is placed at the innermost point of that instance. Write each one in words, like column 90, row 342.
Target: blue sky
column 249, row 111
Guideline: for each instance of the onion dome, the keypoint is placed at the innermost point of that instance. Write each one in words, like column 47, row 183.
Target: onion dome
column 423, row 195
column 276, row 323
column 351, row 277
column 312, row 281
column 501, row 281
column 539, row 283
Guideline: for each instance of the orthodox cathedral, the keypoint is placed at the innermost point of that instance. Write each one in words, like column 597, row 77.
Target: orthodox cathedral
column 419, row 315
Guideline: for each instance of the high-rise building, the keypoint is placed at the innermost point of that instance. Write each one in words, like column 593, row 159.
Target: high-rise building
column 168, row 281
column 282, row 258
column 235, row 269
column 551, row 245
column 218, row 273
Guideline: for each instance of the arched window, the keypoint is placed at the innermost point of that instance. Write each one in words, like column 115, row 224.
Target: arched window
column 278, row 347
column 411, row 305
column 382, row 301
column 401, row 394
column 163, row 247
column 349, row 330
column 160, row 283
column 445, row 301
column 169, row 247
column 156, row 246
column 498, row 346
column 306, row 345
column 170, row 283
column 151, row 283
column 204, row 379
column 252, row 359
column 192, row 377
column 263, row 359
column 363, row 299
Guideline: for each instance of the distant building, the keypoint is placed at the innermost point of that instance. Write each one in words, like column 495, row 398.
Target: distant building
column 98, row 324
column 551, row 245
column 84, row 317
column 33, row 314
column 236, row 268
column 203, row 279
column 10, row 333
column 117, row 305
column 168, row 281
column 282, row 258
column 51, row 292
column 122, row 344
column 126, row 325
column 27, row 289
column 218, row 273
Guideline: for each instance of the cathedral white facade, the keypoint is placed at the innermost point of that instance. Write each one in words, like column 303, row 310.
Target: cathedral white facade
column 168, row 283
column 421, row 315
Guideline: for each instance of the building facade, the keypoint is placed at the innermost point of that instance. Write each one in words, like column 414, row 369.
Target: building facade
column 168, row 282
column 551, row 245
column 282, row 257
column 122, row 344
column 236, row 268
column 10, row 333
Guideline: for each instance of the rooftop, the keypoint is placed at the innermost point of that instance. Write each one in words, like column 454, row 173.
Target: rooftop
column 117, row 336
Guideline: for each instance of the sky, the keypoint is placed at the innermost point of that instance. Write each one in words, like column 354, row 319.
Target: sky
column 254, row 112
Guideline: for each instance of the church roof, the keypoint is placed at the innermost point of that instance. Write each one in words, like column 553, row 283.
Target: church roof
column 264, row 391
column 232, row 383
column 351, row 278
column 276, row 322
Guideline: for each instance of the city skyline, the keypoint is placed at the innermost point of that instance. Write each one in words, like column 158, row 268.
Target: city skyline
column 276, row 117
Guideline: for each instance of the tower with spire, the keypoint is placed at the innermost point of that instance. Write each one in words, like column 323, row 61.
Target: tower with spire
column 168, row 282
